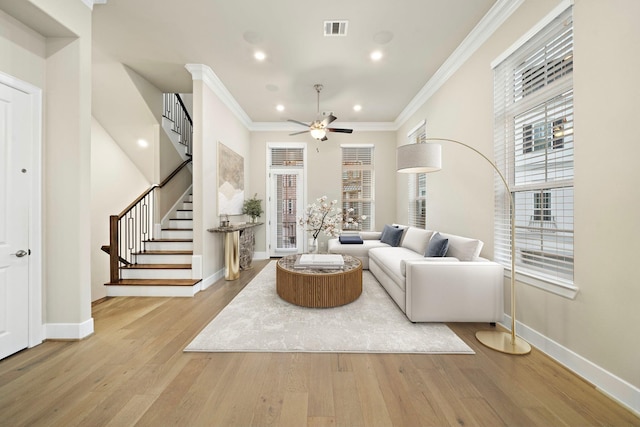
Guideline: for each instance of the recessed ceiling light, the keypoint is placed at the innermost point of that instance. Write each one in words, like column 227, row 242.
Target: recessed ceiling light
column 260, row 56
column 280, row 107
column 376, row 55
column 143, row 143
column 357, row 107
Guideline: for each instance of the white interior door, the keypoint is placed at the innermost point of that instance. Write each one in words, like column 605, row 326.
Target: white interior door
column 285, row 207
column 14, row 220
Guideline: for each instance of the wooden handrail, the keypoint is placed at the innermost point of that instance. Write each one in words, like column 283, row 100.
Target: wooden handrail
column 184, row 108
column 153, row 187
column 174, row 173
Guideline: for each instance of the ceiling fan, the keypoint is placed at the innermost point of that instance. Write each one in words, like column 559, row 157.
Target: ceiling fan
column 319, row 127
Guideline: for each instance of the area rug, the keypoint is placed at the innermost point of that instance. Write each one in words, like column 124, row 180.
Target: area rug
column 257, row 320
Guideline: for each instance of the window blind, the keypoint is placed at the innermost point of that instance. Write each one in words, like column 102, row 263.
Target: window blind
column 358, row 185
column 417, row 215
column 287, row 157
column 534, row 149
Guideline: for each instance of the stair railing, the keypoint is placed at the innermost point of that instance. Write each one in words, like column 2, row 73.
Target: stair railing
column 175, row 110
column 133, row 226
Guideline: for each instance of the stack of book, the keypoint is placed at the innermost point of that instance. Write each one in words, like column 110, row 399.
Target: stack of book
column 320, row 261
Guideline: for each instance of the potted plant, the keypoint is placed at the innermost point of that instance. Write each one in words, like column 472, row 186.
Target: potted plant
column 253, row 207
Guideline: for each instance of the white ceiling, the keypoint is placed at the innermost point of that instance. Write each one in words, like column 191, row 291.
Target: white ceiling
column 156, row 38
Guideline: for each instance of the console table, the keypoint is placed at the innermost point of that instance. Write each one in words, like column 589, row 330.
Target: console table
column 239, row 243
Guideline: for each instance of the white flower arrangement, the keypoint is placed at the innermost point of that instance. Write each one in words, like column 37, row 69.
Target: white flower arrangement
column 326, row 217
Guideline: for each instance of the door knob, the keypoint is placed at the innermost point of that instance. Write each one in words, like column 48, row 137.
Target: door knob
column 20, row 253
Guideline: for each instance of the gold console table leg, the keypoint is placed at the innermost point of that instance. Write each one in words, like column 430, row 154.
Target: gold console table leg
column 232, row 255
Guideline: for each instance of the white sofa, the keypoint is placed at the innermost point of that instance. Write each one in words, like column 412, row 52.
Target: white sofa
column 460, row 287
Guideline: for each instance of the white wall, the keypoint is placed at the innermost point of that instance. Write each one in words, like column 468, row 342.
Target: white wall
column 213, row 122
column 595, row 327
column 115, row 183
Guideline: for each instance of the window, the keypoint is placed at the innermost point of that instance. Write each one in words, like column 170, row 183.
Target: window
column 535, row 152
column 286, row 164
column 417, row 183
column 358, row 185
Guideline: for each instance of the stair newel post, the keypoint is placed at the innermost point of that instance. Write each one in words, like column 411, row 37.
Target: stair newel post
column 114, row 261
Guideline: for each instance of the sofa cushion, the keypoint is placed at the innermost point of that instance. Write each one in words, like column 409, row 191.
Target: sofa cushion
column 463, row 248
column 390, row 259
column 437, row 247
column 416, row 239
column 391, row 235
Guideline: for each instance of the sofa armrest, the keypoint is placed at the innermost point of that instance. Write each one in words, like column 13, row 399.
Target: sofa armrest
column 466, row 291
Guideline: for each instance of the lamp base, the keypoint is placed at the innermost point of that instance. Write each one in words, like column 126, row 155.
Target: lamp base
column 502, row 342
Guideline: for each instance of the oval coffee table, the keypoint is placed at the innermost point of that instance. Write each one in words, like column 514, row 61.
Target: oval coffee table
column 319, row 288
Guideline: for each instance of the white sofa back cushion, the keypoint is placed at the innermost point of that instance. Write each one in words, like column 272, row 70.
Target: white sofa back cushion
column 463, row 248
column 416, row 239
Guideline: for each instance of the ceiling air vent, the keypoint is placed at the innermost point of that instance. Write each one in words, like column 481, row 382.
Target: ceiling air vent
column 335, row 28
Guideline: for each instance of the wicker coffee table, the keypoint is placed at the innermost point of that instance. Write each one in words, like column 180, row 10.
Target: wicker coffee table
column 319, row 288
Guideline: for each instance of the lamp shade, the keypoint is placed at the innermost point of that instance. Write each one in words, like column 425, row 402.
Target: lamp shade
column 419, row 158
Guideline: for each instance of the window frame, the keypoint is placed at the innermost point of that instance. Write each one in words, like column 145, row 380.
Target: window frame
column 353, row 174
column 515, row 96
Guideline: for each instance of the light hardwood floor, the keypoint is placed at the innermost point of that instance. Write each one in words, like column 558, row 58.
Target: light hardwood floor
column 132, row 371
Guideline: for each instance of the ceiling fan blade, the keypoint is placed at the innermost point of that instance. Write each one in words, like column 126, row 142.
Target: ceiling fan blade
column 300, row 123
column 298, row 133
column 339, row 130
column 327, row 120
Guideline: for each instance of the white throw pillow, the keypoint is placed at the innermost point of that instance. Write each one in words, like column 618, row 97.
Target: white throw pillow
column 463, row 248
column 416, row 239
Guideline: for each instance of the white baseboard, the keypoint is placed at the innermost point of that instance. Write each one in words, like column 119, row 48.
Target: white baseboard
column 207, row 282
column 153, row 291
column 261, row 255
column 68, row 331
column 621, row 391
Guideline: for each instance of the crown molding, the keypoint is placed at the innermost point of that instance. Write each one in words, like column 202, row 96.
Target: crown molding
column 496, row 16
column 206, row 74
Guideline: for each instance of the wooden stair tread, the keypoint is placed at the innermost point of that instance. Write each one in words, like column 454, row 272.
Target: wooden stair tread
column 158, row 266
column 154, row 282
column 160, row 252
column 167, row 240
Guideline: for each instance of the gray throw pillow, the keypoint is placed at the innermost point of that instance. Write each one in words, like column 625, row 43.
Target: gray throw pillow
column 438, row 246
column 391, row 235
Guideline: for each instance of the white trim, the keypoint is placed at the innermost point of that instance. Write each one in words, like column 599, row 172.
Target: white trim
column 69, row 331
column 209, row 281
column 616, row 388
column 564, row 5
column 153, row 291
column 561, row 289
column 496, row 16
column 413, row 130
column 36, row 330
column 206, row 74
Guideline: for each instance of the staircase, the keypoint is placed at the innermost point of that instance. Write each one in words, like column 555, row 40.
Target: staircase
column 144, row 262
column 163, row 266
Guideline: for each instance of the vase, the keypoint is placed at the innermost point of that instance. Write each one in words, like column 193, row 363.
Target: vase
column 313, row 246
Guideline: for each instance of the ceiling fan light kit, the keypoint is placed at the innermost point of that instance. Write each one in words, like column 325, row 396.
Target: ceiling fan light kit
column 319, row 127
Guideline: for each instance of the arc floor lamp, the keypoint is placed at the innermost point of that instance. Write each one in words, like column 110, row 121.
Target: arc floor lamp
column 426, row 157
